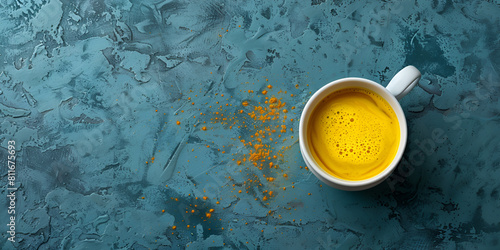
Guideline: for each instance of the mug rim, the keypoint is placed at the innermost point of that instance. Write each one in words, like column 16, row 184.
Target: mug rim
column 326, row 90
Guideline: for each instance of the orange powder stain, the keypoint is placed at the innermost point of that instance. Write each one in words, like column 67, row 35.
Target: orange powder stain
column 259, row 149
column 257, row 152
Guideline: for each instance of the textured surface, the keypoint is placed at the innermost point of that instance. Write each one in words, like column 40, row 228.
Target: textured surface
column 91, row 91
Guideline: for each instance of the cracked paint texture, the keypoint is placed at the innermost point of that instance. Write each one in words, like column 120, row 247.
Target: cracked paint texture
column 91, row 91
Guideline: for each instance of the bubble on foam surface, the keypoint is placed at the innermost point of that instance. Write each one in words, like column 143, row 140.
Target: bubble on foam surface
column 356, row 127
column 361, row 140
column 359, row 150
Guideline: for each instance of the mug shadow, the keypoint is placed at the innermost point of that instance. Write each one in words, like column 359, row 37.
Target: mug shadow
column 403, row 193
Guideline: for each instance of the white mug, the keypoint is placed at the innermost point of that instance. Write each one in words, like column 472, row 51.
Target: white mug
column 398, row 87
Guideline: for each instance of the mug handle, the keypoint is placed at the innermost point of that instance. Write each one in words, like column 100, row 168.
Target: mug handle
column 404, row 81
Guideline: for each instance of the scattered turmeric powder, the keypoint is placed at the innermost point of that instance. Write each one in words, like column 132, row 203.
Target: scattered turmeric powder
column 263, row 122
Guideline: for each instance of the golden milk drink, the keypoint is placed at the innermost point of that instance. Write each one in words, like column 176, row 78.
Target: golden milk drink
column 353, row 134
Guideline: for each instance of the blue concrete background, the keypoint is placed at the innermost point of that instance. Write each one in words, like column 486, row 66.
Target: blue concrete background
column 91, row 92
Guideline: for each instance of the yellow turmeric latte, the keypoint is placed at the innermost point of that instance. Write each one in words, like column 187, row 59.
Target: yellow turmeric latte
column 353, row 134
